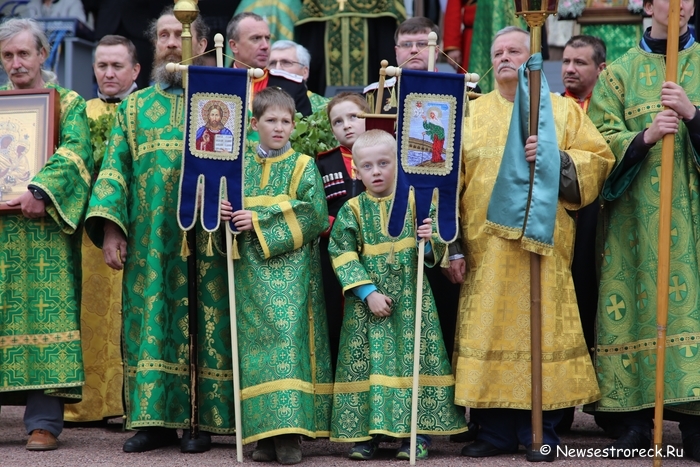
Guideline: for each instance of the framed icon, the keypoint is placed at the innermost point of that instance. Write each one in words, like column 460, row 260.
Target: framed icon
column 29, row 121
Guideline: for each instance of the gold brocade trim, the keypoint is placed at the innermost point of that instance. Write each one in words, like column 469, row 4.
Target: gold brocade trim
column 286, row 431
column 158, row 365
column 396, row 382
column 525, row 405
column 398, row 435
column 179, row 369
column 258, row 231
column 265, row 201
column 324, row 388
column 524, row 355
column 639, row 110
column 39, row 339
column 115, row 175
column 47, row 386
column 78, row 162
column 160, row 145
column 384, row 248
column 345, row 52
column 676, row 340
column 275, row 386
column 344, row 259
column 55, row 206
column 293, row 224
column 298, row 175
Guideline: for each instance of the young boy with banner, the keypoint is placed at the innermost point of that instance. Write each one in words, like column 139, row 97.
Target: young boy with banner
column 372, row 391
column 282, row 332
column 340, row 184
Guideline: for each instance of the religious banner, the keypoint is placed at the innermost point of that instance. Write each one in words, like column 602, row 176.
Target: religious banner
column 431, row 107
column 215, row 131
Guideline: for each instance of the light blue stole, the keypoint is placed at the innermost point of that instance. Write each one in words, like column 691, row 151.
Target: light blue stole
column 508, row 215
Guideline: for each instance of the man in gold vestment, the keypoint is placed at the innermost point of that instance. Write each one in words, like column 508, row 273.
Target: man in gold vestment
column 116, row 67
column 492, row 348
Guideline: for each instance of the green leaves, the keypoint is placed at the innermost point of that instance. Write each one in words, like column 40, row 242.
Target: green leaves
column 100, row 129
column 313, row 134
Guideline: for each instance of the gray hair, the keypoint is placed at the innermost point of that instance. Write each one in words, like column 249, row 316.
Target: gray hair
column 12, row 27
column 508, row 30
column 303, row 55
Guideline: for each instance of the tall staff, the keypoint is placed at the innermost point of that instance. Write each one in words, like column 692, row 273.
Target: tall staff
column 535, row 13
column 186, row 11
column 662, row 274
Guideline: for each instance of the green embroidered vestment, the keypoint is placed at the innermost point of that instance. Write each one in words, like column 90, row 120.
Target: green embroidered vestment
column 286, row 380
column 625, row 101
column 137, row 188
column 372, row 391
column 40, row 269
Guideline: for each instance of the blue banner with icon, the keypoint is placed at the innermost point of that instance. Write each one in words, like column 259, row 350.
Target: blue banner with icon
column 431, row 107
column 215, row 131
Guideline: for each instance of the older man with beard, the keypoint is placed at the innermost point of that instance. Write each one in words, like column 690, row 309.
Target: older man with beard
column 132, row 216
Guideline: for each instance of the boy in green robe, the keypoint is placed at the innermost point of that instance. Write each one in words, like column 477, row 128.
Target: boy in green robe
column 286, row 378
column 372, row 391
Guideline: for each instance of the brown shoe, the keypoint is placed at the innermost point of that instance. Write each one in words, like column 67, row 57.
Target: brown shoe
column 42, row 440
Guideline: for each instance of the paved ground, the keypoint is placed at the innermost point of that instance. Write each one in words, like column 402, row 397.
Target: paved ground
column 87, row 447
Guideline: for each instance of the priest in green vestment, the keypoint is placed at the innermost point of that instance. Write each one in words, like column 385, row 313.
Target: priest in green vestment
column 40, row 246
column 132, row 216
column 627, row 106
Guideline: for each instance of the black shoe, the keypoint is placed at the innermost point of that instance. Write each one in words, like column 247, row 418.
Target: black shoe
column 193, row 446
column 564, row 425
column 148, row 440
column 539, row 456
column 625, row 444
column 691, row 447
column 481, row 448
column 467, row 436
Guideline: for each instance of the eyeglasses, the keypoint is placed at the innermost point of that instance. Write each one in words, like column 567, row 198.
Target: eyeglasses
column 409, row 45
column 283, row 63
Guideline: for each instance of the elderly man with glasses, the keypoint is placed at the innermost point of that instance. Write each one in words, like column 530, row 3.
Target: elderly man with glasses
column 295, row 58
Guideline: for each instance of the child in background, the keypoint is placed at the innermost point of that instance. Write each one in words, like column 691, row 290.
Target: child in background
column 340, row 185
column 282, row 333
column 373, row 380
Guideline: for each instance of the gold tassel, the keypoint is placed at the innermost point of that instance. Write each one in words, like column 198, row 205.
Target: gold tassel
column 210, row 249
column 392, row 99
column 234, row 252
column 445, row 263
column 184, row 248
column 370, row 100
column 390, row 259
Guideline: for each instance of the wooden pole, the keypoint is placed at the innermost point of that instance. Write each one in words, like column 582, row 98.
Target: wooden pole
column 219, row 47
column 234, row 346
column 664, row 261
column 432, row 43
column 186, row 11
column 535, row 264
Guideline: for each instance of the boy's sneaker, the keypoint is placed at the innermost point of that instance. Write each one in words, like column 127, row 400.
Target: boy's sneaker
column 404, row 452
column 364, row 451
